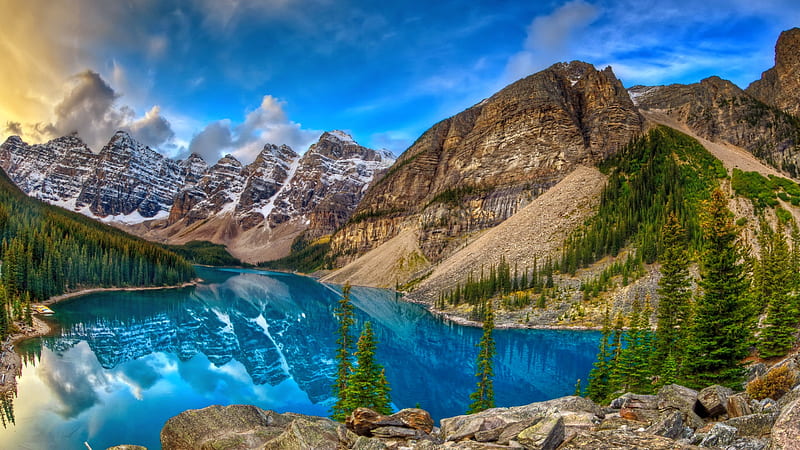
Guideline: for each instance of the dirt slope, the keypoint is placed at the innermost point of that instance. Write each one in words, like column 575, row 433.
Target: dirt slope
column 395, row 261
column 538, row 230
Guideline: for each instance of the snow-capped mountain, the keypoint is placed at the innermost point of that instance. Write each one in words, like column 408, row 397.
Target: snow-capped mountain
column 256, row 208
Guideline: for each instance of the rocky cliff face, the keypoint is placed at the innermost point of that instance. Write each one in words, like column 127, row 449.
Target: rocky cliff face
column 780, row 85
column 131, row 184
column 718, row 110
column 475, row 169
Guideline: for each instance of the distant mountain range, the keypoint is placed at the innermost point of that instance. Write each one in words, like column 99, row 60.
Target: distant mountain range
column 256, row 209
column 399, row 222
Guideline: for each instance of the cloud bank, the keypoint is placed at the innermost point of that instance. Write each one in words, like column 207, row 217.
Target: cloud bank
column 266, row 124
column 89, row 108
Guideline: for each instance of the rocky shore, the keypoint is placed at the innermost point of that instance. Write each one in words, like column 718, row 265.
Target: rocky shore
column 675, row 418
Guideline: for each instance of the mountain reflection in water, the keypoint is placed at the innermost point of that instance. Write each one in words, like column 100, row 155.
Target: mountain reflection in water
column 122, row 363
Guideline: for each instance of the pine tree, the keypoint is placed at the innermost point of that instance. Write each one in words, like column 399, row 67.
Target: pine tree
column 675, row 295
column 598, row 388
column 344, row 366
column 633, row 370
column 367, row 386
column 776, row 272
column 720, row 332
column 483, row 397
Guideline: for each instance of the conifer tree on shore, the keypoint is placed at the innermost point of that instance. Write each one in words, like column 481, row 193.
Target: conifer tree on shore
column 774, row 284
column 483, row 397
column 674, row 289
column 345, row 343
column 720, row 332
column 367, row 386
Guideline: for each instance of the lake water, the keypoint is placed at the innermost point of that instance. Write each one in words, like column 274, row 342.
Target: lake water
column 121, row 363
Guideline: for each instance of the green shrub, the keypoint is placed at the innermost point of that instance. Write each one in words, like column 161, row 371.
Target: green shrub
column 783, row 215
column 772, row 385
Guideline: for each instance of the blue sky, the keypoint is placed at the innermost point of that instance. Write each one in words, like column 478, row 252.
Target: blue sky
column 227, row 76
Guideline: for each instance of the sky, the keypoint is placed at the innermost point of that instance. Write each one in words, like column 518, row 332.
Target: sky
column 228, row 76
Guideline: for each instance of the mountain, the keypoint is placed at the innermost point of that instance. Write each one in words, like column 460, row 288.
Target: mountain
column 720, row 111
column 780, row 85
column 511, row 186
column 256, row 209
column 474, row 170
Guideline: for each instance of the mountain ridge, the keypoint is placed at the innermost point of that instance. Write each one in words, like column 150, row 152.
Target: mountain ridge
column 138, row 189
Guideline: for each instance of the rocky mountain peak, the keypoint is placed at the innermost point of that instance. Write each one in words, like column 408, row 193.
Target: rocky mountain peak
column 14, row 140
column 272, row 152
column 780, row 85
column 574, row 70
column 337, row 144
column 338, row 135
column 227, row 161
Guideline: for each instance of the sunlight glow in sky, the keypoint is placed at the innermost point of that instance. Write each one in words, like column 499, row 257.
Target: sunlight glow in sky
column 228, row 76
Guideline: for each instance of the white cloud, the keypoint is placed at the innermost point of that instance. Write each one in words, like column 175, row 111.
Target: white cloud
column 266, row 124
column 89, row 107
column 549, row 38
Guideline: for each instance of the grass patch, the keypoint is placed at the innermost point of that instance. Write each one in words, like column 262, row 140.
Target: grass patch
column 765, row 191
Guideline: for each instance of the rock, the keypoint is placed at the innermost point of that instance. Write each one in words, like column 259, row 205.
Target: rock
column 643, row 408
column 739, row 405
column 511, row 431
column 307, row 432
column 616, row 422
column 396, row 432
column 748, row 444
column 720, row 435
column 415, row 418
column 786, row 431
column 753, row 425
column 789, row 397
column 547, row 434
column 622, row 440
column 766, row 405
column 246, row 426
column 363, row 421
column 619, row 401
column 464, row 427
column 673, row 396
column 668, row 425
column 365, row 443
column 712, row 401
column 127, row 447
column 204, row 427
column 754, row 371
column 577, row 422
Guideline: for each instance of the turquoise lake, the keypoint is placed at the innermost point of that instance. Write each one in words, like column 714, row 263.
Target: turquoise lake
column 119, row 364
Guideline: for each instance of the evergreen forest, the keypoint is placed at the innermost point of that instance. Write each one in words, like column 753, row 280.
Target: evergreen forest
column 47, row 251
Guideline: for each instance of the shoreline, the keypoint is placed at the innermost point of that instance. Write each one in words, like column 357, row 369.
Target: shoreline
column 81, row 292
column 10, row 361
